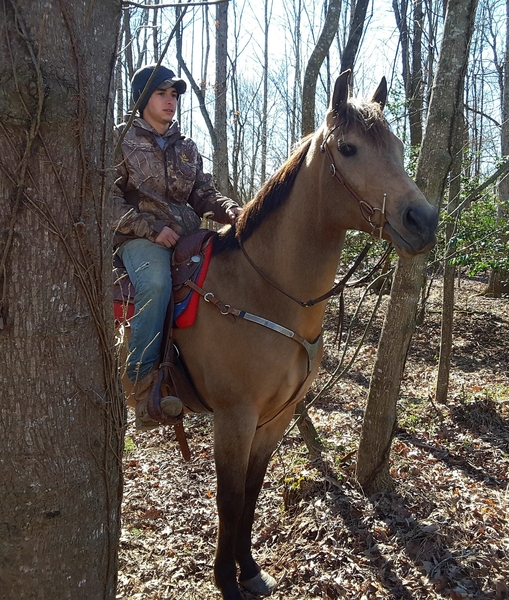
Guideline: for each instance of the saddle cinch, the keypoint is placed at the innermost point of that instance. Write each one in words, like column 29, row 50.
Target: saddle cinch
column 189, row 262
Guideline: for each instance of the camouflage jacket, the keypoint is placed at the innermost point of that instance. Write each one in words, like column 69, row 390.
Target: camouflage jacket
column 156, row 188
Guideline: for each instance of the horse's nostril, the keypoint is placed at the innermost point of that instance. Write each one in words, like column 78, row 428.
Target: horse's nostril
column 411, row 221
column 421, row 220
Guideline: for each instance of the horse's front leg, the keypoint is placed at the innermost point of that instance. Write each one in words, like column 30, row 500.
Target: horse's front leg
column 233, row 436
column 264, row 444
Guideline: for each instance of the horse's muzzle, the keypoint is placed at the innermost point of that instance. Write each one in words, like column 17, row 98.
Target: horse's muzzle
column 416, row 234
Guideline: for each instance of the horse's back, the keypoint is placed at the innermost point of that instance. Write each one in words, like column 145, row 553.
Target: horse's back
column 232, row 360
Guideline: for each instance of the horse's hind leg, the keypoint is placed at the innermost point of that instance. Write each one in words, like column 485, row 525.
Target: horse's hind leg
column 233, row 436
column 264, row 443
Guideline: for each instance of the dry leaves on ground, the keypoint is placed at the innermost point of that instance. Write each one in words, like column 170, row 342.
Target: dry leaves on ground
column 443, row 532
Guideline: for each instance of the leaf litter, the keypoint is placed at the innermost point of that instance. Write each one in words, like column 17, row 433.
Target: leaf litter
column 443, row 532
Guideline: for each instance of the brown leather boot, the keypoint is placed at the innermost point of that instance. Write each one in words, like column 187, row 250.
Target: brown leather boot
column 140, row 394
column 171, row 406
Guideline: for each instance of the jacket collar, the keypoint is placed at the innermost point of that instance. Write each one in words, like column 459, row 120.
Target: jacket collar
column 172, row 134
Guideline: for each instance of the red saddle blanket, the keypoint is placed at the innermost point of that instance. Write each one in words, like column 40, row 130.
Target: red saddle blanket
column 191, row 260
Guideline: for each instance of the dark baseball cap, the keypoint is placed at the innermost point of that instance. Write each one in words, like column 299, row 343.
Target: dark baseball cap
column 164, row 79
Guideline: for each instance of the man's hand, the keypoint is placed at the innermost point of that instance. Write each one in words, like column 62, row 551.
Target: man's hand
column 167, row 237
column 233, row 213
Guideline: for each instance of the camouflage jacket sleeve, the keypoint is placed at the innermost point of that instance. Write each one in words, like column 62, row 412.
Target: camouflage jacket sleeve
column 206, row 199
column 127, row 219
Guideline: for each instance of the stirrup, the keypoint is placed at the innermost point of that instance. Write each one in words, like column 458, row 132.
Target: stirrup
column 171, row 406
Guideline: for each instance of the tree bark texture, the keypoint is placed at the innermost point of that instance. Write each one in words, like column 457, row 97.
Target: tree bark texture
column 314, row 65
column 61, row 415
column 432, row 170
column 444, row 361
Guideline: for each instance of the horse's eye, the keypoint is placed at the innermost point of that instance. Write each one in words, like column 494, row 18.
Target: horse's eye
column 346, row 149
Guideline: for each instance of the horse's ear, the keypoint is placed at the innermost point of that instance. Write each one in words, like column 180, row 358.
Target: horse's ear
column 341, row 91
column 380, row 94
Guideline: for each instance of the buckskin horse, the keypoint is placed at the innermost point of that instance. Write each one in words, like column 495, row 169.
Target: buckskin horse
column 255, row 358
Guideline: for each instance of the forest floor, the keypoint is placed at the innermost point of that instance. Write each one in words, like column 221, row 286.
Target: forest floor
column 443, row 532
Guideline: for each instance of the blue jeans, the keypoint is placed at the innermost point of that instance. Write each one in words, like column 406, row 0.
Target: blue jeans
column 149, row 268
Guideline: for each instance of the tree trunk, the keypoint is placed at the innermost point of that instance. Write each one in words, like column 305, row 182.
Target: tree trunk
column 354, row 35
column 433, row 167
column 265, row 79
column 498, row 284
column 315, row 62
column 416, row 84
column 221, row 140
column 307, row 428
column 297, row 73
column 444, row 361
column 61, row 414
column 411, row 63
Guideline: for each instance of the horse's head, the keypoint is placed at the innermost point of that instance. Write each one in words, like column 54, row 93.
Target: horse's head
column 366, row 158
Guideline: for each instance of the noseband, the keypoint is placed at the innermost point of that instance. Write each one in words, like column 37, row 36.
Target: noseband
column 367, row 211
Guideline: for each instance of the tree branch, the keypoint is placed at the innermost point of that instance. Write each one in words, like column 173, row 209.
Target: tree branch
column 502, row 170
column 128, row 3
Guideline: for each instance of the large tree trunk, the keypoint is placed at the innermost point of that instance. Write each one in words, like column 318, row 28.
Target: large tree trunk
column 61, row 415
column 433, row 167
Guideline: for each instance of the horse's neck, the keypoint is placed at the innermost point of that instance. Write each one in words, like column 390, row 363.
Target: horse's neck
column 297, row 247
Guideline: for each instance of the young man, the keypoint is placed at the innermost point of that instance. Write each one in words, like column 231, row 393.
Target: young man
column 161, row 193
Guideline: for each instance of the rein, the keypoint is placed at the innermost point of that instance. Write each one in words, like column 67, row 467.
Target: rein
column 367, row 211
column 334, row 291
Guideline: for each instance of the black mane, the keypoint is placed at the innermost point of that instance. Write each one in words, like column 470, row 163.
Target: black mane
column 364, row 117
column 272, row 194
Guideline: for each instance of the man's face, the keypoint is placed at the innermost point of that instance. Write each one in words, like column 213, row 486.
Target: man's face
column 161, row 108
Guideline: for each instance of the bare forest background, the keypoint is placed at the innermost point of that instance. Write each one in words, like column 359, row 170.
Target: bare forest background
column 260, row 73
column 248, row 66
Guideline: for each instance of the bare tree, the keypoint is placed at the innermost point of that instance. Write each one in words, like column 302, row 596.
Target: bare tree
column 358, row 19
column 61, row 415
column 433, row 167
column 315, row 63
column 265, row 79
column 498, row 284
column 453, row 213
column 411, row 59
column 220, row 160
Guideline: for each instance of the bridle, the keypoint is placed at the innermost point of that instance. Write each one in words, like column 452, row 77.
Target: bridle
column 367, row 211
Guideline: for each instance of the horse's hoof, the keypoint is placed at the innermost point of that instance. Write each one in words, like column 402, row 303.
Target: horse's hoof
column 262, row 584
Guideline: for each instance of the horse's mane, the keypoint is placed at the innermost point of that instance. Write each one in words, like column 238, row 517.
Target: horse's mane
column 366, row 118
column 272, row 194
